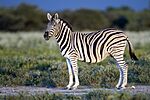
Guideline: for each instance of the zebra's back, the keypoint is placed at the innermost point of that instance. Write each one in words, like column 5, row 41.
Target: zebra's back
column 94, row 47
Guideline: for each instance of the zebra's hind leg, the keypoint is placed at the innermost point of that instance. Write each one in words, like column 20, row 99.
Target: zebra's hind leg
column 123, row 68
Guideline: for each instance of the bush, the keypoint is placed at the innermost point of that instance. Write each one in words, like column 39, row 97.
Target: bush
column 27, row 17
column 114, row 95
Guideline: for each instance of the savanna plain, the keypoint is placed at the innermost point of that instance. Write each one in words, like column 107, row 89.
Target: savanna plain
column 26, row 59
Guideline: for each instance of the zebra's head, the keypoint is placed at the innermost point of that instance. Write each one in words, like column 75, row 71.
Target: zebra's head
column 53, row 26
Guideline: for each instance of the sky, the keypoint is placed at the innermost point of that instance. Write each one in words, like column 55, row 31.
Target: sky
column 59, row 5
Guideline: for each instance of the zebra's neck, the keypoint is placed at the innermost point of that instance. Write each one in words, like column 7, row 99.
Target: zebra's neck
column 63, row 38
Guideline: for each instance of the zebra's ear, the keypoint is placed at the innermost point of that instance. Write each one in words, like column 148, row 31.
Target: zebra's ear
column 56, row 16
column 49, row 17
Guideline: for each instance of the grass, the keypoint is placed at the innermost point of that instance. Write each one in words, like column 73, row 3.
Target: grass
column 27, row 59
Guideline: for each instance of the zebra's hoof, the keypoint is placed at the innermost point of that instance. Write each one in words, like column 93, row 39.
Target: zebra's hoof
column 67, row 88
column 121, row 88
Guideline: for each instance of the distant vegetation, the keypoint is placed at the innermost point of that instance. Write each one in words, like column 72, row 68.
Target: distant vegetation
column 30, row 18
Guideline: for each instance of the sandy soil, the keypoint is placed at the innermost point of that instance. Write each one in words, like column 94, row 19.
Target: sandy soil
column 82, row 90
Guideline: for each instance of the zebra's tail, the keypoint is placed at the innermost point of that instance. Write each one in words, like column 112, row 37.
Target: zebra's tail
column 131, row 51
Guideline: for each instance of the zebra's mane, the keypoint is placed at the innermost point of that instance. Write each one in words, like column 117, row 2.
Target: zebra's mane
column 68, row 24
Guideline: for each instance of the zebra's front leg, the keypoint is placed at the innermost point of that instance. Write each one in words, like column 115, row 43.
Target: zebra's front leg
column 75, row 71
column 73, row 64
column 70, row 70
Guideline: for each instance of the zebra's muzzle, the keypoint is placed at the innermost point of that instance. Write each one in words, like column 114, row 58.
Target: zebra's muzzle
column 46, row 35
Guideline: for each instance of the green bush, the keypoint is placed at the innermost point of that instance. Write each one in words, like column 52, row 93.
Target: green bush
column 26, row 17
column 114, row 95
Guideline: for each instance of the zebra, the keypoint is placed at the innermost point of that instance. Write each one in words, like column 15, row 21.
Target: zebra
column 89, row 47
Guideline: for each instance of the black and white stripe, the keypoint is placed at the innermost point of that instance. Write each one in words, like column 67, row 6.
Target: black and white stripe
column 91, row 47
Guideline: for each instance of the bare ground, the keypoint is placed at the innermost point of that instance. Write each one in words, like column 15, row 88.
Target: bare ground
column 82, row 90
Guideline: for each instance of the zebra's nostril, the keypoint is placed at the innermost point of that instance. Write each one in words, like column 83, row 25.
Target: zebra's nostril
column 46, row 33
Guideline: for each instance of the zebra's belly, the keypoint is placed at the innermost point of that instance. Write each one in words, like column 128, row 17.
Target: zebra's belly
column 93, row 59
